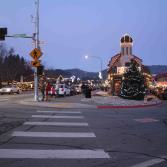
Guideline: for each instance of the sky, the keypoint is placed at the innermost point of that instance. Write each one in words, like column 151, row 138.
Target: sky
column 71, row 29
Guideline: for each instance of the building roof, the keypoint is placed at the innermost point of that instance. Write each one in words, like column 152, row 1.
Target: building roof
column 126, row 38
column 117, row 57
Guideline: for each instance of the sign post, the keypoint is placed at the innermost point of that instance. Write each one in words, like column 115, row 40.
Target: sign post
column 36, row 52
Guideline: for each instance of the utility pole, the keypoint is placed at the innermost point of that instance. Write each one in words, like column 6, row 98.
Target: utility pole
column 38, row 47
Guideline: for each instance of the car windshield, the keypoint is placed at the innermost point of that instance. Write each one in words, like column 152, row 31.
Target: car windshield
column 61, row 86
column 8, row 86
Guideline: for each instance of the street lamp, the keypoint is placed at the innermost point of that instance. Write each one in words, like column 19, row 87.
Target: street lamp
column 101, row 64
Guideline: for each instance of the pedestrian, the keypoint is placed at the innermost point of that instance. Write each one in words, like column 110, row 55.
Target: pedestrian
column 83, row 88
column 43, row 90
column 48, row 89
column 88, row 90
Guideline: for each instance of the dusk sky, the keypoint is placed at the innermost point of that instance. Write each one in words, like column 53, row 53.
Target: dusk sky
column 72, row 29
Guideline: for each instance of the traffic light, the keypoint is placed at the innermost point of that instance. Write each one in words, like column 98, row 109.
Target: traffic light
column 3, row 32
column 40, row 70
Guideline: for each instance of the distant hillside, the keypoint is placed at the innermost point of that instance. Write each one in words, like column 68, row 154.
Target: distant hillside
column 84, row 75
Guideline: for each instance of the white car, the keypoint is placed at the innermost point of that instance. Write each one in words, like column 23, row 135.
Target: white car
column 10, row 90
column 62, row 90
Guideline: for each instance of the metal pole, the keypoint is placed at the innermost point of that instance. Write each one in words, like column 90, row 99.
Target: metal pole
column 101, row 64
column 36, row 46
column 101, row 68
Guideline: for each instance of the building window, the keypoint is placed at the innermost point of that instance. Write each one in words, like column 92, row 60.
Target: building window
column 123, row 51
column 130, row 50
column 127, row 50
column 114, row 70
column 127, row 64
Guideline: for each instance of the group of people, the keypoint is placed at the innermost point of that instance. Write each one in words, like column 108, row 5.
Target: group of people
column 46, row 87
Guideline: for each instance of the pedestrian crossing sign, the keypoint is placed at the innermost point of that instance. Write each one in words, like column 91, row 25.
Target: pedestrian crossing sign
column 36, row 54
column 36, row 63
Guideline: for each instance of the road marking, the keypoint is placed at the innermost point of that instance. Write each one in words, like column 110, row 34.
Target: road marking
column 55, row 116
column 54, row 134
column 61, row 112
column 2, row 100
column 146, row 120
column 149, row 163
column 57, row 123
column 52, row 154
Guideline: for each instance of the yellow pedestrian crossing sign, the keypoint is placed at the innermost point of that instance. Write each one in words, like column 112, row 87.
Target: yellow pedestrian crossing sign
column 36, row 54
column 36, row 63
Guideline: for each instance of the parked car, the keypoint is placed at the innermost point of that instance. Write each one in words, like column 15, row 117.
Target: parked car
column 165, row 94
column 62, row 90
column 10, row 90
column 160, row 92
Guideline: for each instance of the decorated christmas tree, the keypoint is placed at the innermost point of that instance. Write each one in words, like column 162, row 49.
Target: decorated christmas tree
column 133, row 86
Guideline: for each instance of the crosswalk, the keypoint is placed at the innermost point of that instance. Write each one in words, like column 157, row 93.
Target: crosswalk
column 46, row 126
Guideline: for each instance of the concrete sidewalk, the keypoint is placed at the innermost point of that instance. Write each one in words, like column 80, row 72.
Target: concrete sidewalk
column 117, row 101
column 99, row 98
column 54, row 103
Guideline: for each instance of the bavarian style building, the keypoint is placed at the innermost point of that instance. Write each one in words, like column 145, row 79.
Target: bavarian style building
column 118, row 64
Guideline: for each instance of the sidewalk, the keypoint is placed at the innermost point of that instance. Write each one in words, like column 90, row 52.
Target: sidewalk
column 104, row 100
column 99, row 99
column 53, row 103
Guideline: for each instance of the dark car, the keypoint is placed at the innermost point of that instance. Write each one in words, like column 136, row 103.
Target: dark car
column 164, row 95
column 161, row 93
column 72, row 90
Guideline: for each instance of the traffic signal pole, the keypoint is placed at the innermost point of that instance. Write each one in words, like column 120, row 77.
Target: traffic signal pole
column 35, row 38
column 36, row 46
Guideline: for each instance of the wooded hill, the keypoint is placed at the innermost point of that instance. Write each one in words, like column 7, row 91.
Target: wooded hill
column 12, row 66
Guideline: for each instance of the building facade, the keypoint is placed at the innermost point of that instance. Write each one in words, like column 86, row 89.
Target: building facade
column 119, row 63
column 161, row 79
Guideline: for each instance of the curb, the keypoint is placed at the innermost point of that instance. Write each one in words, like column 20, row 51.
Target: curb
column 58, row 105
column 135, row 106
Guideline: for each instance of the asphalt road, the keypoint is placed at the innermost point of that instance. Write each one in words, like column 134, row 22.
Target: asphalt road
column 49, row 137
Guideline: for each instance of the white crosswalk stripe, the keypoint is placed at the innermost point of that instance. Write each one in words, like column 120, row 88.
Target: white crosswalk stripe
column 61, row 112
column 55, row 153
column 53, row 134
column 57, row 123
column 50, row 154
column 55, row 116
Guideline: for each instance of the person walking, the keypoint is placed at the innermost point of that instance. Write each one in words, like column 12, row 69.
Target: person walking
column 48, row 89
column 43, row 90
column 83, row 88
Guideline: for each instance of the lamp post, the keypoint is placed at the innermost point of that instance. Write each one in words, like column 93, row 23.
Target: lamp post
column 101, row 63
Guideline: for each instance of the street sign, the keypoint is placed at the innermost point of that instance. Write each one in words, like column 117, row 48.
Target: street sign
column 36, row 54
column 39, row 42
column 19, row 35
column 36, row 63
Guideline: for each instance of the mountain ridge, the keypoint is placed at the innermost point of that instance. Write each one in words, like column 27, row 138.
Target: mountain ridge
column 154, row 69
